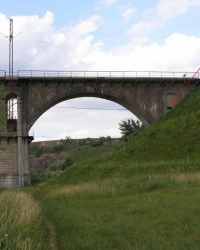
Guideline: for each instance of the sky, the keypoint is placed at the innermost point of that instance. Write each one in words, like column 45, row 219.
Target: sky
column 95, row 35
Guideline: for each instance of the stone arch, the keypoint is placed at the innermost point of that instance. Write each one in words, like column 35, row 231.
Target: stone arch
column 101, row 92
column 11, row 95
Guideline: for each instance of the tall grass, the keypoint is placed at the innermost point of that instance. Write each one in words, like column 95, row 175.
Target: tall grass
column 20, row 222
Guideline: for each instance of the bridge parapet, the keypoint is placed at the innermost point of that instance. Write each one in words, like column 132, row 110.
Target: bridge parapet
column 105, row 74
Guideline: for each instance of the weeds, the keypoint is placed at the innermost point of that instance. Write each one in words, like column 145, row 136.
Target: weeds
column 20, row 220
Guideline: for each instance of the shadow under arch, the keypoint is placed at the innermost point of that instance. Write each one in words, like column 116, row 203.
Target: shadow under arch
column 113, row 96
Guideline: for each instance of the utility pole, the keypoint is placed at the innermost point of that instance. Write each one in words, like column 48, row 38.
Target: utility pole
column 11, row 109
column 11, row 93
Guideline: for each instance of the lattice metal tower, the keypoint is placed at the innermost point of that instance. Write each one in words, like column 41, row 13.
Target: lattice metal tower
column 11, row 87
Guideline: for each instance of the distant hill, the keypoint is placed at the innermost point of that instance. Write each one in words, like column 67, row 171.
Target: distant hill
column 49, row 158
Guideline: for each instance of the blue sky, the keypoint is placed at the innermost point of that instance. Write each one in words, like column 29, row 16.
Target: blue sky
column 143, row 35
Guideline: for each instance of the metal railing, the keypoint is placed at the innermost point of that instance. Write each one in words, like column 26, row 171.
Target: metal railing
column 2, row 74
column 101, row 74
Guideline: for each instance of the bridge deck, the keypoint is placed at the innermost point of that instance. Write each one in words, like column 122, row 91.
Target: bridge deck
column 98, row 74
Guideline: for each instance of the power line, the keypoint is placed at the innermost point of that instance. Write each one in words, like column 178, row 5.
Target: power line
column 83, row 42
column 121, row 109
column 95, row 34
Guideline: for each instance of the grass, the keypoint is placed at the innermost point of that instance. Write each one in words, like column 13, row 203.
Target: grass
column 98, row 169
column 86, row 152
column 139, row 212
column 21, row 222
column 175, row 135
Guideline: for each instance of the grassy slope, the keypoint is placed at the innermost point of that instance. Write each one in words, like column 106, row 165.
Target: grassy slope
column 143, row 196
column 175, row 136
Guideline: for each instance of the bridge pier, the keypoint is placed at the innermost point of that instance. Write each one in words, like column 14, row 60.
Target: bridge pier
column 9, row 169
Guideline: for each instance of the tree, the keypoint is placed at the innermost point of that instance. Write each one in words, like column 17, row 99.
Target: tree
column 130, row 127
column 108, row 138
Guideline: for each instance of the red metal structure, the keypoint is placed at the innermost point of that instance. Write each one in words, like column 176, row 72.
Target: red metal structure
column 173, row 100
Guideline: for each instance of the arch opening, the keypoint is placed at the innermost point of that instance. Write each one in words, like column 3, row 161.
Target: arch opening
column 11, row 102
column 81, row 117
column 134, row 107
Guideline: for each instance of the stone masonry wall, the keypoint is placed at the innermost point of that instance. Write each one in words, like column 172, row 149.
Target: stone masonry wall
column 9, row 173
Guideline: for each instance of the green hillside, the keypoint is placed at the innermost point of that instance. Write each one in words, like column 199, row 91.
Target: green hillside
column 48, row 159
column 176, row 136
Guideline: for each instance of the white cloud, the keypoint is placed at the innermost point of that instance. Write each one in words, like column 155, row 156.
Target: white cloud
column 75, row 48
column 167, row 9
column 127, row 14
column 142, row 27
column 180, row 52
column 177, row 53
column 33, row 23
column 86, row 26
column 43, row 47
column 109, row 2
column 4, row 24
column 160, row 14
column 195, row 3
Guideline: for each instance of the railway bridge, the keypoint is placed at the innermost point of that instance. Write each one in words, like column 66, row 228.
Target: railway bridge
column 148, row 95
